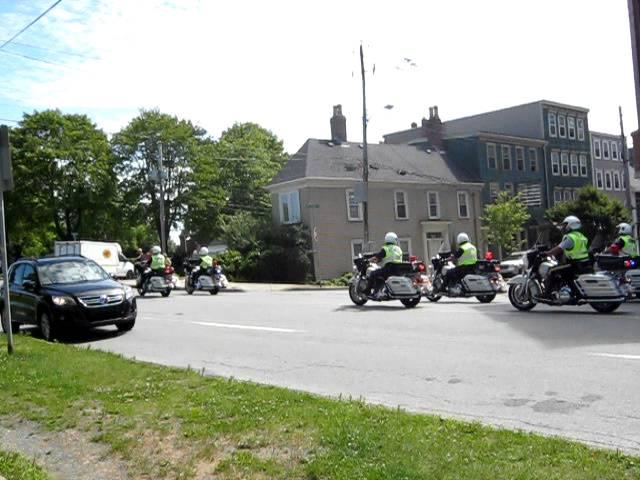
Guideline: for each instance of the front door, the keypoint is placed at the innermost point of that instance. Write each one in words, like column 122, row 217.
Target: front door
column 433, row 242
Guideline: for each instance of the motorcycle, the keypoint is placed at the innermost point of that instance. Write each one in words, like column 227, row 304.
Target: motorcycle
column 479, row 285
column 600, row 290
column 402, row 285
column 624, row 269
column 154, row 282
column 211, row 280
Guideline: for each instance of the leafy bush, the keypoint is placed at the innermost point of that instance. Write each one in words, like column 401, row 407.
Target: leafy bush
column 341, row 281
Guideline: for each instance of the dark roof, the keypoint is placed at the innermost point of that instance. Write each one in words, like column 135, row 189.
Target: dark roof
column 387, row 163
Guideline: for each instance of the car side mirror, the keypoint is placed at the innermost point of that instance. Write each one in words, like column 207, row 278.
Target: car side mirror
column 29, row 285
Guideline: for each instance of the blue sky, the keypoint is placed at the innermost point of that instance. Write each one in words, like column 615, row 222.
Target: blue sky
column 284, row 64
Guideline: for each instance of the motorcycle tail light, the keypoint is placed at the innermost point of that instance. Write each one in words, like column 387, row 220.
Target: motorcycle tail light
column 628, row 263
column 497, row 268
column 413, row 258
column 421, row 267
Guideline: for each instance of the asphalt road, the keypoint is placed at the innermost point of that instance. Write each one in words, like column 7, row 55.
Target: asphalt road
column 560, row 371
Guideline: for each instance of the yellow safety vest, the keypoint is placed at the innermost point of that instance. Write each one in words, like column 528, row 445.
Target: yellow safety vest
column 206, row 261
column 580, row 250
column 157, row 262
column 469, row 254
column 630, row 246
column 392, row 254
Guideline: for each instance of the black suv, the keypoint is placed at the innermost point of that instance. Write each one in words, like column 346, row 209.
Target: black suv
column 62, row 293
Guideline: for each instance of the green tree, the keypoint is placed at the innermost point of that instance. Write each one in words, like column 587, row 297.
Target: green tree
column 598, row 213
column 136, row 148
column 64, row 179
column 505, row 218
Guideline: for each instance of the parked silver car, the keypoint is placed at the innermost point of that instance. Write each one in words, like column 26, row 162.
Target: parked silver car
column 512, row 265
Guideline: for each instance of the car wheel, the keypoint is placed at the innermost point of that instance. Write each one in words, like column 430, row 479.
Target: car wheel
column 126, row 326
column 45, row 323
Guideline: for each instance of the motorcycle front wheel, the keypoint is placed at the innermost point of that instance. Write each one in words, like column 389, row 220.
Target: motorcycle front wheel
column 188, row 286
column 355, row 296
column 519, row 299
column 486, row 298
column 410, row 302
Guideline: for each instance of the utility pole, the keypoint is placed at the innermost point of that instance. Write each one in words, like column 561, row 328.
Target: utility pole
column 365, row 158
column 625, row 166
column 163, row 242
column 6, row 184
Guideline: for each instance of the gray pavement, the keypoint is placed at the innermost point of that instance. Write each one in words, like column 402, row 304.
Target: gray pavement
column 559, row 371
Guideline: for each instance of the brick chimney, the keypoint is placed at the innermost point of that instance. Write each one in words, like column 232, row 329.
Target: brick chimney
column 432, row 128
column 338, row 125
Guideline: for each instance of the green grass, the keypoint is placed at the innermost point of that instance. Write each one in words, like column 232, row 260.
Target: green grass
column 173, row 423
column 16, row 467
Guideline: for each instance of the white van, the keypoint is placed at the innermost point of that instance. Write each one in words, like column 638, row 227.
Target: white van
column 106, row 254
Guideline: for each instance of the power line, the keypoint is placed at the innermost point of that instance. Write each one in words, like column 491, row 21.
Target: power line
column 49, row 62
column 30, row 24
column 59, row 52
column 9, row 120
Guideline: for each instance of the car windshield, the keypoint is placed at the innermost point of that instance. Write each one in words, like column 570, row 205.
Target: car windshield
column 72, row 271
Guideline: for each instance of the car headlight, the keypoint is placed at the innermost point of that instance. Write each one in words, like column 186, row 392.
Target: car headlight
column 128, row 293
column 62, row 301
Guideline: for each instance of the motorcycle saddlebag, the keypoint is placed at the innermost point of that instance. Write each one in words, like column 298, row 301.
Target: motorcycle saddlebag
column 157, row 282
column 401, row 286
column 477, row 284
column 611, row 262
column 205, row 282
column 596, row 286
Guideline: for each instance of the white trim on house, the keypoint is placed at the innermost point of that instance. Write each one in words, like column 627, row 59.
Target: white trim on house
column 533, row 160
column 409, row 249
column 567, row 195
column 405, row 203
column 557, row 196
column 584, row 170
column 494, row 190
column 571, row 127
column 507, row 157
column 437, row 205
column 605, row 150
column 562, row 126
column 495, row 156
column 520, row 150
column 564, row 162
column 354, row 242
column 551, row 119
column 465, row 195
column 334, row 182
column 575, row 167
column 555, row 164
column 347, row 193
column 597, row 149
column 608, row 184
column 614, row 151
column 599, row 179
column 292, row 202
column 616, row 181
column 580, row 126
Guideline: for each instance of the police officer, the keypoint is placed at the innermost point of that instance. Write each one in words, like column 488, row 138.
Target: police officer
column 157, row 263
column 575, row 247
column 387, row 258
column 625, row 242
column 466, row 258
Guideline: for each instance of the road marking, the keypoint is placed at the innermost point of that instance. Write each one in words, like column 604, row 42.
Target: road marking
column 248, row 327
column 616, row 355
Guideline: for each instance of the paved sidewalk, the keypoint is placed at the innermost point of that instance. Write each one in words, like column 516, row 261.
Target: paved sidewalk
column 258, row 287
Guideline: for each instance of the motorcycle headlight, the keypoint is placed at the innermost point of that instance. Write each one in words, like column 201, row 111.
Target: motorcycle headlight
column 62, row 300
column 128, row 293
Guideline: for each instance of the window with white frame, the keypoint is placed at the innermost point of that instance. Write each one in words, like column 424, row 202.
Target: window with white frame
column 623, row 181
column 553, row 131
column 463, row 205
column 508, row 187
column 581, row 129
column 533, row 160
column 433, row 204
column 567, row 195
column 557, row 196
column 575, row 170
column 289, row 207
column 401, row 207
column 596, row 148
column 354, row 208
column 599, row 183
column 607, row 180
column 605, row 150
column 506, row 157
column 584, row 172
column 405, row 245
column 494, row 191
column 571, row 127
column 616, row 181
column 576, row 193
column 562, row 126
column 555, row 163
column 520, row 158
column 357, row 247
column 492, row 156
column 564, row 160
column 614, row 150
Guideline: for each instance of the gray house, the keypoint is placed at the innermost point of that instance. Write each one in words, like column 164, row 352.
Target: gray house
column 413, row 191
column 608, row 169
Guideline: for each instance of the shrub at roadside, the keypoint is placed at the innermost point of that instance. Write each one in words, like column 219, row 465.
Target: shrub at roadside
column 15, row 467
column 341, row 281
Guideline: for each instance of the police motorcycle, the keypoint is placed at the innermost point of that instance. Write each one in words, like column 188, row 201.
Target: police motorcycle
column 402, row 285
column 156, row 282
column 623, row 261
column 601, row 290
column 210, row 279
column 479, row 284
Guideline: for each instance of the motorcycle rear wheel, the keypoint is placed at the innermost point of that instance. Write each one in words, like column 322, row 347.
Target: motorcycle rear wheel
column 410, row 302
column 356, row 297
column 515, row 292
column 166, row 293
column 607, row 307
column 486, row 298
column 214, row 291
column 188, row 287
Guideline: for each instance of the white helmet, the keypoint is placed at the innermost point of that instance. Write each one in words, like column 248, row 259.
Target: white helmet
column 391, row 237
column 203, row 251
column 155, row 250
column 462, row 238
column 571, row 223
column 624, row 229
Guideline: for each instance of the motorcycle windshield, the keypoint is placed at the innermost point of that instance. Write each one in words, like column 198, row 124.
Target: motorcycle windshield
column 445, row 247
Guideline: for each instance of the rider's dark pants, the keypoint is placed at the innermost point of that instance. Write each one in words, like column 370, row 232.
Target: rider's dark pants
column 563, row 274
column 377, row 277
column 456, row 274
